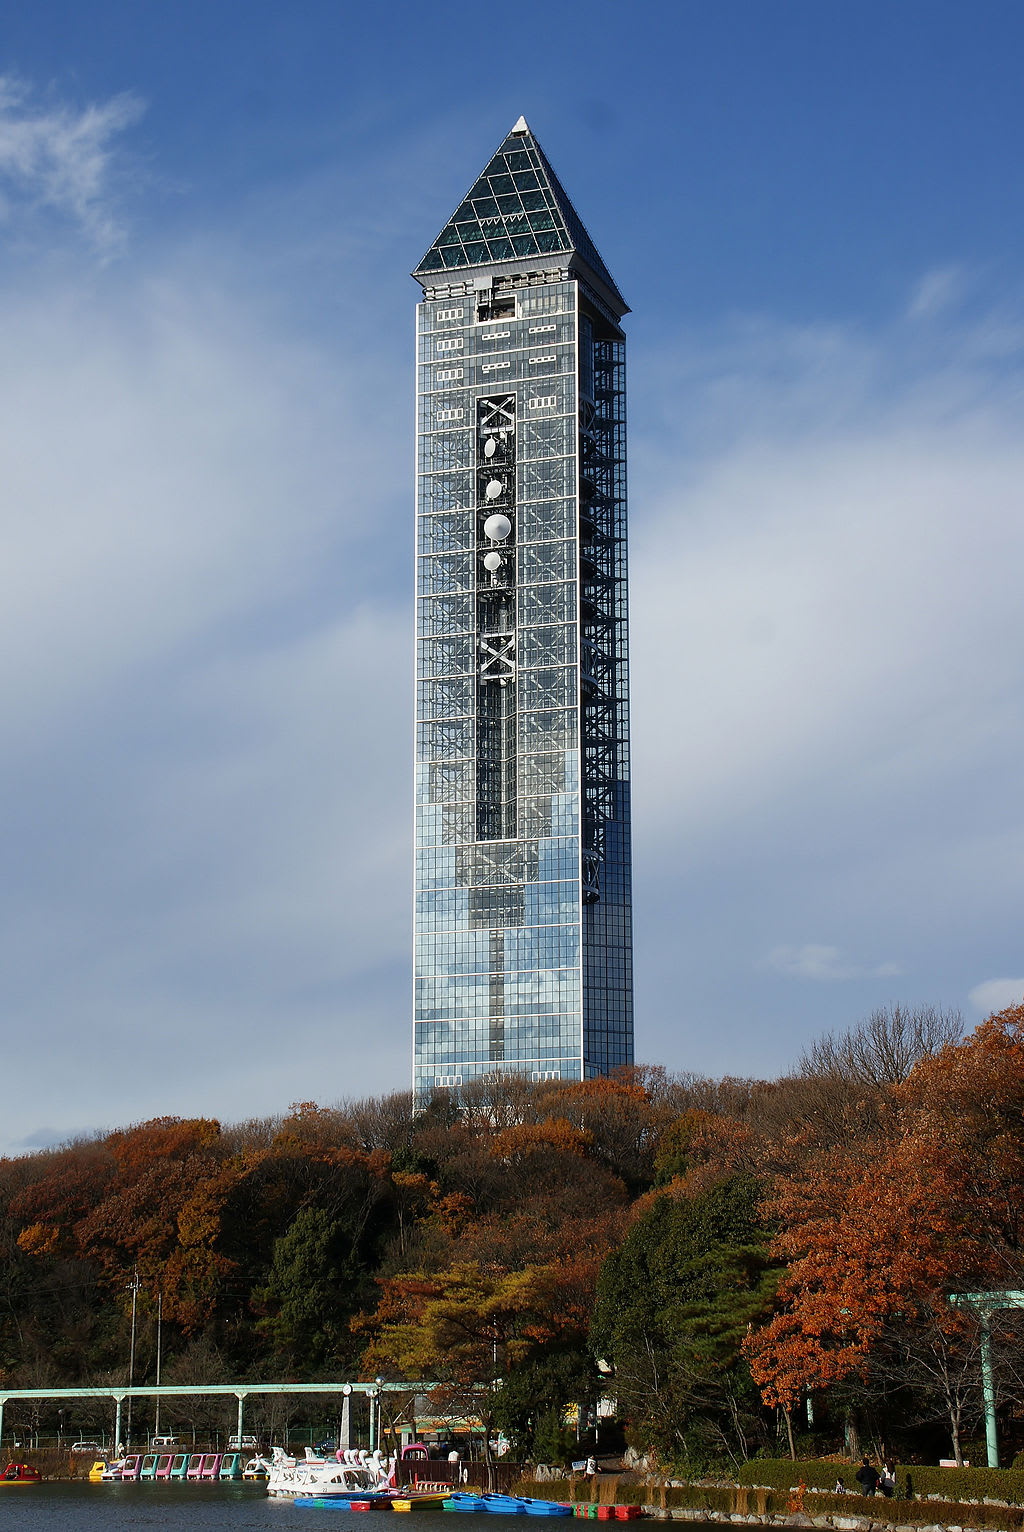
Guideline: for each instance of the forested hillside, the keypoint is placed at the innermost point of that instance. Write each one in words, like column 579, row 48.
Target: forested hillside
column 711, row 1253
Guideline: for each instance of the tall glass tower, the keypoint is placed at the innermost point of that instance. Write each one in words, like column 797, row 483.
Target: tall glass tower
column 523, row 916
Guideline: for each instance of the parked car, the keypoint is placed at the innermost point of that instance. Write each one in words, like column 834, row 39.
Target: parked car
column 163, row 1442
column 92, row 1447
column 243, row 1443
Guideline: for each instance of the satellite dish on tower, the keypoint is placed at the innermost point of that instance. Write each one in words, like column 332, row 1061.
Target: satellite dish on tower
column 497, row 528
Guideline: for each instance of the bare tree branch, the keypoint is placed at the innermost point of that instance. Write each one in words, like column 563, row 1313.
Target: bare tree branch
column 884, row 1049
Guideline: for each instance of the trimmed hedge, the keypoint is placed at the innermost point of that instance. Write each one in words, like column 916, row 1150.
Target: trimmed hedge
column 953, row 1485
column 965, row 1483
column 919, row 1513
column 694, row 1497
column 783, row 1473
column 701, row 1497
column 749, row 1499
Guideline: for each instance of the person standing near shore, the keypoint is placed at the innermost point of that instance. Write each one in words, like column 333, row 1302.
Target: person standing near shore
column 867, row 1477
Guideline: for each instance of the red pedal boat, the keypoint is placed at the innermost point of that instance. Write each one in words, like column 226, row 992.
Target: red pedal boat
column 20, row 1473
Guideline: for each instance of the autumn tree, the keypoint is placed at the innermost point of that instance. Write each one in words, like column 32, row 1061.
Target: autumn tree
column 884, row 1049
column 142, row 1202
column 465, row 1329
column 133, row 1227
column 619, row 1118
column 331, row 1194
column 878, row 1236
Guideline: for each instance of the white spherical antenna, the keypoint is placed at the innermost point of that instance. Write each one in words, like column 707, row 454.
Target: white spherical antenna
column 493, row 562
column 490, row 447
column 497, row 528
column 494, row 488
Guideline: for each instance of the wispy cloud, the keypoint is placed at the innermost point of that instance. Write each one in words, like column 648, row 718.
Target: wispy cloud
column 204, row 764
column 937, row 291
column 53, row 1138
column 996, row 995
column 826, row 671
column 205, row 680
column 61, row 157
column 812, row 961
column 825, row 577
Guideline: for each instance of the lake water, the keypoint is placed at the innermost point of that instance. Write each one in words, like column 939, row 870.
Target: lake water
column 82, row 1507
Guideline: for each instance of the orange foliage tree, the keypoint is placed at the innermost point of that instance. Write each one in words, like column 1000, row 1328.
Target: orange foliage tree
column 461, row 1329
column 878, row 1236
column 146, row 1201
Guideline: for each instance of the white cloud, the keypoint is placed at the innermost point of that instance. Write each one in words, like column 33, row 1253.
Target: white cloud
column 812, row 961
column 829, row 596
column 937, row 291
column 826, row 673
column 53, row 1138
column 205, row 757
column 996, row 995
column 61, row 157
column 236, row 893
column 158, row 482
column 205, row 675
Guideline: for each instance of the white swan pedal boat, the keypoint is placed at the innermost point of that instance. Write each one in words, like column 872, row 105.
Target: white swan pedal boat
column 348, row 1475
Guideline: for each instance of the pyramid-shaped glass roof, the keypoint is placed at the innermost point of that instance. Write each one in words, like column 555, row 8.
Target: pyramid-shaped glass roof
column 516, row 208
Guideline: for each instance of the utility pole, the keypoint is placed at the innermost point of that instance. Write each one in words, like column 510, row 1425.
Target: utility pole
column 159, row 1325
column 345, row 1427
column 133, row 1288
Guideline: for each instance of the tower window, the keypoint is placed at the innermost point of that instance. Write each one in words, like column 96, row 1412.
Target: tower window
column 493, row 306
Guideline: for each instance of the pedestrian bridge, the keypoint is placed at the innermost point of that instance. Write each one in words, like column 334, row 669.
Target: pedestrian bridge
column 117, row 1394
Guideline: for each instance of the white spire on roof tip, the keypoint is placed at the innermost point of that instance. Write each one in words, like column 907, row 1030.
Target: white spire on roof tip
column 521, row 126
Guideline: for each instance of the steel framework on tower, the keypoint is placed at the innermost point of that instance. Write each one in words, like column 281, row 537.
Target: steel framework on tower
column 523, row 888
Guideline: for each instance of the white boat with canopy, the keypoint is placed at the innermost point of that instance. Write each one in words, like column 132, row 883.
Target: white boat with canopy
column 348, row 1475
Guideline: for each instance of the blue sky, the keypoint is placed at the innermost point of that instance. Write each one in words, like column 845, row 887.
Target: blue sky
column 207, row 217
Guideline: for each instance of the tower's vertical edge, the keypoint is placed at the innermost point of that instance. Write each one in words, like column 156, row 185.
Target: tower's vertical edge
column 523, row 940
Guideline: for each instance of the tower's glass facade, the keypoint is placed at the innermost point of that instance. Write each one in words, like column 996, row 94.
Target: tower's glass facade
column 523, row 954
